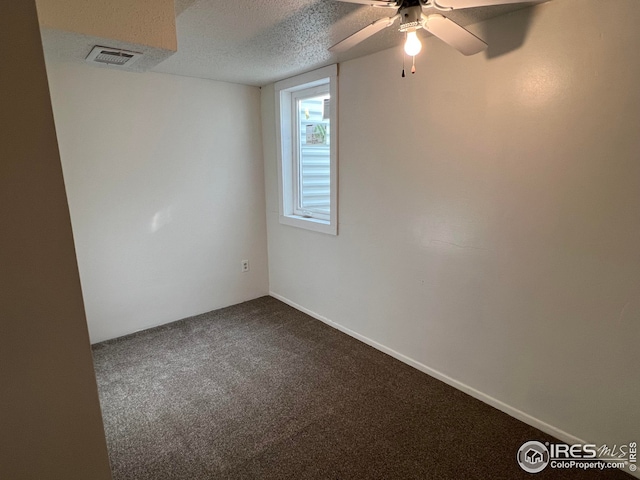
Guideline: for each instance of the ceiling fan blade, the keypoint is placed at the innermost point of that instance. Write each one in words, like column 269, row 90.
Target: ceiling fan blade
column 450, row 32
column 374, row 3
column 363, row 34
column 456, row 4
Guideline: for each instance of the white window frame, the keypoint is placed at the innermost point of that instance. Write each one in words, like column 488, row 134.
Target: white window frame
column 287, row 149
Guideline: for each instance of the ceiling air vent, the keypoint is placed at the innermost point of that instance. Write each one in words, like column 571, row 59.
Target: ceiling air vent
column 112, row 57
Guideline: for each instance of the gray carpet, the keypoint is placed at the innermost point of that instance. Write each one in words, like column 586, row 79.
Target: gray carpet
column 262, row 391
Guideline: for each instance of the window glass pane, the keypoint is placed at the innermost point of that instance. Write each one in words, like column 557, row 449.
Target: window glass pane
column 314, row 170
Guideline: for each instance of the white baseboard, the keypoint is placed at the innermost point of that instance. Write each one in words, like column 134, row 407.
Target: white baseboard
column 483, row 397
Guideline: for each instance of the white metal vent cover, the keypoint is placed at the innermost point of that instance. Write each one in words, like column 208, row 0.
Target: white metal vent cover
column 113, row 57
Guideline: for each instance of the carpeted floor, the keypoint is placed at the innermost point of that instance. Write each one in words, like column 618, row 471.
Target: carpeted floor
column 262, row 391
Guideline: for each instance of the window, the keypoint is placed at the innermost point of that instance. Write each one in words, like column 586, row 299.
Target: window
column 306, row 109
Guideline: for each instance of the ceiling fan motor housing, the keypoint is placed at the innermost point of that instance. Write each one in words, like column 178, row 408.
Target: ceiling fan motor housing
column 410, row 18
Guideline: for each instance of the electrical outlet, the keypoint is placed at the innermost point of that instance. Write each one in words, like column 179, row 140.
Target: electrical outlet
column 245, row 265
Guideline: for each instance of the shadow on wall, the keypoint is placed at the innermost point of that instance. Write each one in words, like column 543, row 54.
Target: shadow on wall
column 509, row 38
column 182, row 5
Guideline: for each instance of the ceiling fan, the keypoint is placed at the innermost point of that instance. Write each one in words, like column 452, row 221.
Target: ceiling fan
column 413, row 15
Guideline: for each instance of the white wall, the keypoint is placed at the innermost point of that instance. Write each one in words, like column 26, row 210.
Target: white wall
column 49, row 411
column 164, row 176
column 490, row 216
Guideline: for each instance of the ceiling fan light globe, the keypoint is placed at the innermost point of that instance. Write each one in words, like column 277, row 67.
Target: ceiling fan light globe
column 413, row 45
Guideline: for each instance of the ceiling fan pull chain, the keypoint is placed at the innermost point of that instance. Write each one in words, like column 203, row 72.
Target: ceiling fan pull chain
column 413, row 67
column 403, row 55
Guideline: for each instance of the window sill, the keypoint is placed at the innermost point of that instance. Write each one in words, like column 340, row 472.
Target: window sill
column 322, row 226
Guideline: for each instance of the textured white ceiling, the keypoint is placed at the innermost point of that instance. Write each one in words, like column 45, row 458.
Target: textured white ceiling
column 256, row 42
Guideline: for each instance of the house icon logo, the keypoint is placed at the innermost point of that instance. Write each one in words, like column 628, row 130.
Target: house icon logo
column 533, row 457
